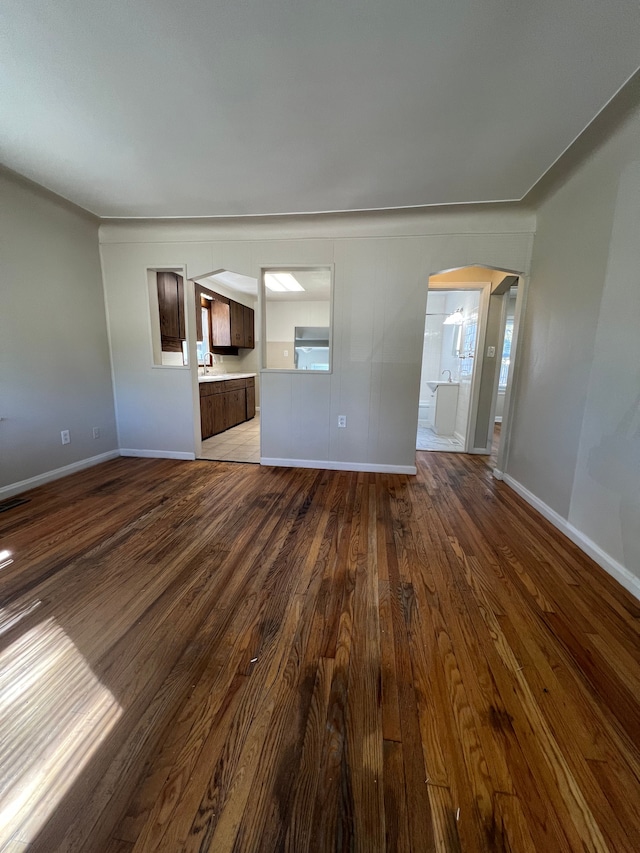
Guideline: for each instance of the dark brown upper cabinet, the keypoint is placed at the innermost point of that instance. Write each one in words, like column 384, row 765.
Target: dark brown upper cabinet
column 220, row 322
column 171, row 310
column 237, row 324
column 249, row 334
column 231, row 324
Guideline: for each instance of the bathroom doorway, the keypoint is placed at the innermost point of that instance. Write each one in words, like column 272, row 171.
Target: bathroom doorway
column 453, row 324
column 490, row 333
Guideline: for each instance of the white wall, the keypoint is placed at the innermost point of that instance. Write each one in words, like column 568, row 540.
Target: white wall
column 576, row 436
column 469, row 301
column 432, row 345
column 55, row 372
column 284, row 316
column 382, row 265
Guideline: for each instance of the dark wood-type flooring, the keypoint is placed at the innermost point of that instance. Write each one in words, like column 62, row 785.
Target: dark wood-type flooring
column 216, row 657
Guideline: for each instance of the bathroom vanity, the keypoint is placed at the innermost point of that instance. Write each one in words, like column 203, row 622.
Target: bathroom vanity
column 443, row 406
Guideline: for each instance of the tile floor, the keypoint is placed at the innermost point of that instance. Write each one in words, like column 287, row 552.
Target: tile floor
column 238, row 444
column 428, row 440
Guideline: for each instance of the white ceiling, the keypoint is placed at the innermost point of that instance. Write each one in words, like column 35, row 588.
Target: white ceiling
column 316, row 284
column 211, row 107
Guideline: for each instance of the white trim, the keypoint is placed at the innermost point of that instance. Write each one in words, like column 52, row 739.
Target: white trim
column 158, row 454
column 617, row 571
column 339, row 466
column 56, row 474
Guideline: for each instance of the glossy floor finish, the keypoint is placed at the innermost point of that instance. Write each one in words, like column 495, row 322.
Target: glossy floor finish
column 218, row 657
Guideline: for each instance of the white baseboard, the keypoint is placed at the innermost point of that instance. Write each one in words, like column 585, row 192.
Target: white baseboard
column 158, row 454
column 56, row 474
column 624, row 577
column 339, row 466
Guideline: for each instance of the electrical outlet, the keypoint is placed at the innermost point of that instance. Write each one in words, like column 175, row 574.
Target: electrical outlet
column 491, row 352
column 64, row 435
column 285, row 353
column 342, row 421
column 96, row 432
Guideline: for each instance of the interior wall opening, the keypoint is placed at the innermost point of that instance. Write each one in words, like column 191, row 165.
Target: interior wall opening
column 470, row 339
column 228, row 377
column 449, row 351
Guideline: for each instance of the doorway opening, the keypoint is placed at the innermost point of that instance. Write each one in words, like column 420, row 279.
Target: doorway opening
column 470, row 339
column 227, row 394
column 448, row 359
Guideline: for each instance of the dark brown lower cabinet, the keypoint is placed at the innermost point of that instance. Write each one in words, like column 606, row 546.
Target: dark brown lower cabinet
column 225, row 404
column 251, row 400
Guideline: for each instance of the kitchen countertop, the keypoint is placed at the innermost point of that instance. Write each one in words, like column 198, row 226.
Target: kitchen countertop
column 223, row 377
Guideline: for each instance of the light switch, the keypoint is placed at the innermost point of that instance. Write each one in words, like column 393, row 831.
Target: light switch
column 285, row 353
column 491, row 352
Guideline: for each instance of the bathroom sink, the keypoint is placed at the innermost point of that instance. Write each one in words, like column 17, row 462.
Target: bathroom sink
column 434, row 385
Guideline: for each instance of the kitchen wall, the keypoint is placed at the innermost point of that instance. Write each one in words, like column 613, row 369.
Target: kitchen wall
column 382, row 265
column 55, row 372
column 282, row 318
column 576, row 437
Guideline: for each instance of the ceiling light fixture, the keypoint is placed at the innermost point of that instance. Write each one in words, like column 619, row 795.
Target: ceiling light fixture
column 455, row 319
column 281, row 282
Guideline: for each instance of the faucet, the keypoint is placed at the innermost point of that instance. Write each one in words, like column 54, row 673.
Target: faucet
column 213, row 361
column 449, row 372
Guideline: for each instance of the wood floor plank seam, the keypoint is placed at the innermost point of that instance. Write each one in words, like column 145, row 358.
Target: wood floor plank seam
column 196, row 656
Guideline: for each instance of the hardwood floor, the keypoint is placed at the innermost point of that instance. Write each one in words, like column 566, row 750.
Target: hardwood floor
column 216, row 657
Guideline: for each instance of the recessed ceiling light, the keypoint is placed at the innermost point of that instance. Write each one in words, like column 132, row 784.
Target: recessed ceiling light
column 280, row 282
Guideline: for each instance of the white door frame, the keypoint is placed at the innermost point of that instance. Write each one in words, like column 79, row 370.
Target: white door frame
column 512, row 379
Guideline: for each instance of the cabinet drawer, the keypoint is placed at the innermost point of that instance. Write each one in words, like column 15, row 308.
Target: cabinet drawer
column 234, row 384
column 209, row 388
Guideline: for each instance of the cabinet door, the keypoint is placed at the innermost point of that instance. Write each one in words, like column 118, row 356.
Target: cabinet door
column 237, row 324
column 220, row 322
column 249, row 333
column 237, row 406
column 171, row 306
column 206, row 416
column 220, row 414
column 251, row 400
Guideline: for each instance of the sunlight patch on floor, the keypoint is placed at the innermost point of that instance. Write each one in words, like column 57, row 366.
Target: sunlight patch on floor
column 54, row 714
